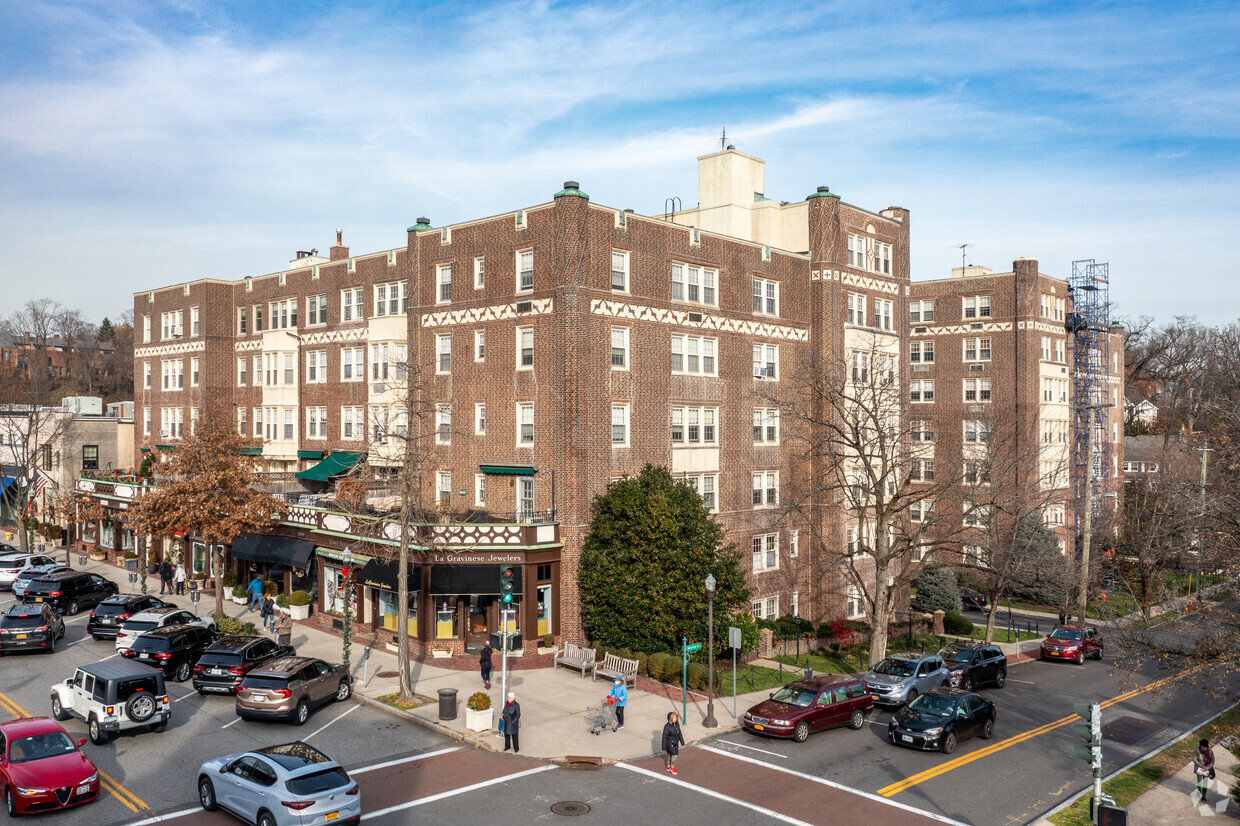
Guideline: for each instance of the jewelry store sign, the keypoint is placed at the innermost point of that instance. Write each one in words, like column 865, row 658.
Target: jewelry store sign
column 441, row 558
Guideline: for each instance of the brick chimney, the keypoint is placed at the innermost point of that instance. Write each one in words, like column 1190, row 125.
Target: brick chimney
column 339, row 252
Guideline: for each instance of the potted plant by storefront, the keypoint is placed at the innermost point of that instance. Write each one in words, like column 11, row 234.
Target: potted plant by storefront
column 98, row 554
column 131, row 561
column 299, row 605
column 478, row 712
column 238, row 594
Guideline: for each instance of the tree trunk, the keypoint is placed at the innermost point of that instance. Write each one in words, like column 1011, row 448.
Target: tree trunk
column 878, row 627
column 219, row 581
column 990, row 620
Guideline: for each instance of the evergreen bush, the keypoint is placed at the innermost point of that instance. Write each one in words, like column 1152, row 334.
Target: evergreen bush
column 299, row 598
column 642, row 662
column 479, row 701
column 697, row 676
column 937, row 590
column 958, row 624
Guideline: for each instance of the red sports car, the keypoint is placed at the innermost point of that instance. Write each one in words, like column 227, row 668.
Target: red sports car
column 41, row 768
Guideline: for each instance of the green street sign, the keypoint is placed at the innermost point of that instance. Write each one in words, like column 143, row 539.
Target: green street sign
column 693, row 646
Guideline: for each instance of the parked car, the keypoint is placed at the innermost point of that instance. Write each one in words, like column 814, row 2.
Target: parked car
column 310, row 786
column 113, row 696
column 27, row 576
column 288, row 688
column 1072, row 642
column 970, row 664
column 941, row 719
column 70, row 592
column 12, row 565
column 108, row 617
column 159, row 617
column 974, row 600
column 173, row 649
column 30, row 628
column 899, row 678
column 806, row 706
column 42, row 769
column 222, row 666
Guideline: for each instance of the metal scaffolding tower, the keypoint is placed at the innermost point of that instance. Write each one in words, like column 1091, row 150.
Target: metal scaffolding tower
column 1089, row 324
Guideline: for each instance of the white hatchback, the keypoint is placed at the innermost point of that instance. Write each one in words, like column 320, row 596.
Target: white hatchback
column 144, row 621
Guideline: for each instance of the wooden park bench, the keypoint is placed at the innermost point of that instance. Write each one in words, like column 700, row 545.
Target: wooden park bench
column 613, row 667
column 575, row 656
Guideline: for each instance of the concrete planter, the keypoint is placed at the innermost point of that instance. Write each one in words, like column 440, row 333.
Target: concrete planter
column 479, row 720
column 299, row 612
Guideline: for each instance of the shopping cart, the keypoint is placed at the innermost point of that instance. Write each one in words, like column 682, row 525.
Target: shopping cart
column 603, row 716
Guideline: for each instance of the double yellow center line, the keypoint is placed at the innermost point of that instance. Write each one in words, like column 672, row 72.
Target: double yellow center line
column 128, row 798
column 943, row 768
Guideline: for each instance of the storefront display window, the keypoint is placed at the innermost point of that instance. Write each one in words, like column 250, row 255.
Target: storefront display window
column 333, row 599
column 445, row 616
column 387, row 612
column 126, row 539
column 108, row 538
column 90, row 532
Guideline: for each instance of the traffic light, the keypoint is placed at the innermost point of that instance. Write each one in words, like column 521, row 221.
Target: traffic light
column 1092, row 734
column 506, row 584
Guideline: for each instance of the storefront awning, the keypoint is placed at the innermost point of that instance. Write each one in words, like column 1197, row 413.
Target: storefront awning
column 276, row 550
column 165, row 447
column 470, row 579
column 509, row 470
column 337, row 556
column 251, row 451
column 335, row 464
column 5, row 481
column 309, row 454
column 383, row 573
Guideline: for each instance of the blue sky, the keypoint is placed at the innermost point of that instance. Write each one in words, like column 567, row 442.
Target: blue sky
column 149, row 143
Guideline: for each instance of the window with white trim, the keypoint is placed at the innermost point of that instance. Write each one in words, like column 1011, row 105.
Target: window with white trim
column 480, row 490
column 316, row 422
column 694, row 355
column 480, row 419
column 352, row 422
column 921, row 430
column 694, row 284
column 856, row 309
column 352, row 363
column 242, row 364
column 174, row 374
column 694, row 426
column 525, row 348
column 525, row 270
column 619, row 271
column 766, row 425
column 194, row 329
column 921, row 470
column 146, row 374
column 444, row 294
column 146, row 422
column 1046, row 348
column 794, row 544
column 402, row 362
column 976, row 473
column 444, row 487
column 283, row 314
column 392, row 298
column 766, row 361
column 351, row 308
column 705, row 484
column 480, row 345
column 619, row 425
column 380, row 361
column 921, row 312
column 766, row 489
column 241, row 422
column 921, row 352
column 193, row 372
column 525, row 423
column 976, row 432
column 765, row 552
column 859, row 363
column 921, row 510
column 316, row 367
column 765, row 296
column 1053, row 515
column 977, row 390
column 443, row 350
column 856, row 251
column 146, row 329
column 1061, row 351
column 976, row 516
column 975, row 555
column 884, row 314
column 480, row 273
column 882, row 257
column 290, row 369
column 316, row 310
column 977, row 349
column 172, row 420
column 258, row 318
column 921, row 391
column 171, row 323
column 193, row 420
column 976, row 306
column 855, row 604
column 619, row 348
column 258, row 422
column 443, row 424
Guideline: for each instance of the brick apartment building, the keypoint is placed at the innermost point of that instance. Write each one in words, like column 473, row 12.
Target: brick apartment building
column 556, row 348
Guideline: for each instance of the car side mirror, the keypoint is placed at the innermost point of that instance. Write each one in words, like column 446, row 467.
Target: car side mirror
column 81, row 742
column 772, row 694
column 223, row 770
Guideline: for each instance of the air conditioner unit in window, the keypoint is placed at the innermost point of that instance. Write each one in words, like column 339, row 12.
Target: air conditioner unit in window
column 977, row 325
column 163, row 434
column 695, row 317
column 525, row 306
column 921, row 329
column 977, row 367
column 921, row 368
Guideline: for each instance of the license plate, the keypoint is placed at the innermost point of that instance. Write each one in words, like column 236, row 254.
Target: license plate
column 216, row 671
column 258, row 698
column 82, row 789
column 21, row 636
column 144, row 656
column 38, row 599
column 758, row 728
column 906, row 738
column 109, row 622
column 332, row 816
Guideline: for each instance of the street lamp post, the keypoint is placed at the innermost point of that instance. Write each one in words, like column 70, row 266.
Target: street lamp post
column 710, row 721
column 346, row 588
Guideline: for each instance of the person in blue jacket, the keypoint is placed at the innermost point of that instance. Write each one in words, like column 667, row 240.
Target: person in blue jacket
column 620, row 697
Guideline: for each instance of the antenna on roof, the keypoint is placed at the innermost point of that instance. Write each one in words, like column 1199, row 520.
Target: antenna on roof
column 723, row 140
column 963, row 248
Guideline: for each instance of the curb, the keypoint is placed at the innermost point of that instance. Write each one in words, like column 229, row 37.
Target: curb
column 422, row 721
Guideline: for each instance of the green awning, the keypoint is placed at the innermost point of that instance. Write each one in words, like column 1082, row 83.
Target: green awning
column 251, row 451
column 335, row 464
column 509, row 470
column 165, row 447
column 309, row 454
column 146, row 450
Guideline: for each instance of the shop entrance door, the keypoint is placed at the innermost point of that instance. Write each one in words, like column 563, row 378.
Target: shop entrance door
column 478, row 628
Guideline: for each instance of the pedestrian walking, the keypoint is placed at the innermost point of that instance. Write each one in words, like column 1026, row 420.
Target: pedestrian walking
column 1063, row 616
column 284, row 629
column 165, row 576
column 1203, row 767
column 619, row 697
column 673, row 739
column 178, row 579
column 484, row 662
column 512, row 724
column 268, row 613
column 255, row 590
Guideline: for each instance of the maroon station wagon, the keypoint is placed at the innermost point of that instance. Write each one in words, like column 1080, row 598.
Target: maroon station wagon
column 811, row 705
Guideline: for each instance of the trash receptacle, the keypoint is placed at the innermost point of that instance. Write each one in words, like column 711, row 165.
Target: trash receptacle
column 447, row 704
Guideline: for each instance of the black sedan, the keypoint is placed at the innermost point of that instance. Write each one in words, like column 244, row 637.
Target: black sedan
column 973, row 600
column 941, row 719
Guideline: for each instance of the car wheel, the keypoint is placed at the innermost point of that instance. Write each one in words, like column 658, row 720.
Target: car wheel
column 140, row 707
column 10, row 803
column 344, row 691
column 801, row 733
column 302, row 713
column 912, row 695
column 206, row 794
column 58, row 711
column 1080, row 658
column 1001, row 678
column 1099, row 657
column 857, row 721
column 97, row 735
column 72, row 608
column 51, row 648
column 160, row 726
column 183, row 671
column 265, row 819
column 949, row 743
column 966, row 683
column 61, row 635
column 988, row 730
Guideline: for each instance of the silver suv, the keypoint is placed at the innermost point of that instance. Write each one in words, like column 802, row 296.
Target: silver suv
column 899, row 678
column 111, row 697
column 153, row 618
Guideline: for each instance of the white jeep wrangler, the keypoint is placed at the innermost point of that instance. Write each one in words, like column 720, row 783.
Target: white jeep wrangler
column 113, row 696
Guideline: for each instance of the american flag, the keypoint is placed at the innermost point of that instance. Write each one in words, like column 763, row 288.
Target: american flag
column 41, row 481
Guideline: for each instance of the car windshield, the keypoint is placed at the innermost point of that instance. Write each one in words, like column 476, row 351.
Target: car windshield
column 894, row 668
column 20, row 622
column 320, row 781
column 1065, row 634
column 937, row 705
column 793, row 696
column 39, row 746
column 957, row 655
column 137, row 627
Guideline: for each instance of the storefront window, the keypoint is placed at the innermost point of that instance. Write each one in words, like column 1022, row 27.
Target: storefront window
column 333, row 600
column 387, row 612
column 445, row 616
column 126, row 539
column 90, row 532
column 544, row 610
column 108, row 538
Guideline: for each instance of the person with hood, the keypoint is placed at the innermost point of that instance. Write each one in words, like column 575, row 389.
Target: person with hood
column 619, row 697
column 512, row 724
column 255, row 590
column 484, row 662
column 165, row 576
column 673, row 739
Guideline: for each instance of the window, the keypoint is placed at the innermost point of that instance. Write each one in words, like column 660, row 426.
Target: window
column 316, row 309
column 480, row 273
column 921, row 511
column 882, row 258
column 90, row 457
column 883, row 314
column 146, row 329
column 316, row 422
column 351, row 305
column 283, row 314
column 352, row 363
column 977, row 306
column 146, row 375
column 976, row 473
column 619, row 271
column 1061, row 351
column 977, row 390
column 766, row 552
column 860, row 364
column 289, row 423
column 766, row 361
column 241, row 422
column 765, row 296
column 525, row 423
column 922, row 430
column 290, row 369
column 352, row 422
column 480, row 419
column 193, row 372
column 525, row 348
column 174, row 374
column 765, row 426
column 193, row 321
column 694, row 284
column 480, row 345
column 241, row 373
column 694, row 355
column 976, row 516
column 977, row 349
column 525, row 498
column 694, row 426
column 794, row 542
column 975, row 555
column 855, row 607
column 443, row 424
column 619, row 425
column 393, row 298
column 705, row 484
column 445, row 283
column 171, row 421
column 258, row 318
column 921, row 352
column 480, row 489
column 525, row 270
column 976, row 432
column 171, row 323
column 921, row 391
column 921, row 470
column 444, row 486
column 921, row 312
column 1046, row 348
column 380, row 358
column 316, row 367
column 856, row 309
column 765, row 489
column 258, row 422
column 443, row 346
column 619, row 348
column 856, row 251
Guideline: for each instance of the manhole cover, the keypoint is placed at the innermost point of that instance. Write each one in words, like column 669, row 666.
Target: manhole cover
column 570, row 808
column 1131, row 730
column 386, row 674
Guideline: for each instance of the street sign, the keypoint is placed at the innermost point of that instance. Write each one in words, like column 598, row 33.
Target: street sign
column 734, row 637
column 693, row 646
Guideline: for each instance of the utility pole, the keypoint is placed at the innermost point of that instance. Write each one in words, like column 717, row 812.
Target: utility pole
column 1205, row 458
column 1088, row 526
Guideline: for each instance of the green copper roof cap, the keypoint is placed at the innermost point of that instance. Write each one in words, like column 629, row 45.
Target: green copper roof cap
column 423, row 223
column 572, row 189
column 823, row 192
